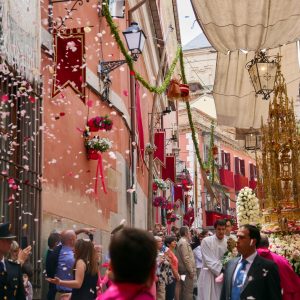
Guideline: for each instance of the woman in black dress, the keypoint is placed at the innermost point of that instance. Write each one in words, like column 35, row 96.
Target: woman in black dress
column 85, row 272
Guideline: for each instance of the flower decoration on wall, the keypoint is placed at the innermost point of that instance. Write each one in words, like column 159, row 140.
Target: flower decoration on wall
column 247, row 207
column 160, row 202
column 97, row 144
column 159, row 183
column 185, row 180
column 99, row 123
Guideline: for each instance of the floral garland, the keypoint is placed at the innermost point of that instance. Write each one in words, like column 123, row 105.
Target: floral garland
column 98, row 144
column 247, row 207
column 115, row 32
column 165, row 84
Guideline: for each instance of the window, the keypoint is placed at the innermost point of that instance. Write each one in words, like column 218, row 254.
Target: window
column 195, row 87
column 239, row 166
column 225, row 160
column 242, row 167
column 252, row 169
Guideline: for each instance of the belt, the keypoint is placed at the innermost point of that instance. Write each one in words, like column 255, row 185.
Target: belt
column 63, row 292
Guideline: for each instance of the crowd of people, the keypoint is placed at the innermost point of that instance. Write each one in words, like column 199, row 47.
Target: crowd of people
column 181, row 264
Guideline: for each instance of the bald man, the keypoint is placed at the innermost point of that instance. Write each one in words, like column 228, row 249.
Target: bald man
column 61, row 261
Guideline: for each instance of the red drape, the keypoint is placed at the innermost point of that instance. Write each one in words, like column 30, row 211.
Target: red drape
column 139, row 120
column 69, row 52
column 178, row 193
column 168, row 171
column 159, row 142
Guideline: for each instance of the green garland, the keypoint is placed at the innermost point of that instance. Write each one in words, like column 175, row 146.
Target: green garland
column 115, row 31
column 154, row 89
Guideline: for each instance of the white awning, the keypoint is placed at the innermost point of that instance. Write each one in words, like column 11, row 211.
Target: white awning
column 232, row 25
column 235, row 100
column 248, row 24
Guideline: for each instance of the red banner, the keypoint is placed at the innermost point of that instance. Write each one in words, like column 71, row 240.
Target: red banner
column 139, row 120
column 69, row 53
column 168, row 172
column 178, row 193
column 159, row 142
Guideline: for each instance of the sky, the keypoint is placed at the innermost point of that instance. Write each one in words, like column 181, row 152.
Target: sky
column 189, row 28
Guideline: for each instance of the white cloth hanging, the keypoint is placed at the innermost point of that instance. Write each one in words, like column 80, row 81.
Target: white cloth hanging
column 21, row 41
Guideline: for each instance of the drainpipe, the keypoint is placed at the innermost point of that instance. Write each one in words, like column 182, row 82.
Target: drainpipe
column 133, row 129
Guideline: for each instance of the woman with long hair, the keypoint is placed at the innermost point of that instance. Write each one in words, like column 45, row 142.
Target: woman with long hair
column 86, row 272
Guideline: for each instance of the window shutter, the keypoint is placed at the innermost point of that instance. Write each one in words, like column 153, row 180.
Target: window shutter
column 242, row 167
column 237, row 165
column 223, row 158
column 228, row 160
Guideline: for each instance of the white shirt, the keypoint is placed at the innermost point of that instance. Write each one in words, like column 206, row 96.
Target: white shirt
column 250, row 260
column 198, row 257
column 3, row 261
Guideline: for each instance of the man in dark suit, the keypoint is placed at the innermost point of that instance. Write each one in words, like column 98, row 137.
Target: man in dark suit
column 11, row 277
column 250, row 276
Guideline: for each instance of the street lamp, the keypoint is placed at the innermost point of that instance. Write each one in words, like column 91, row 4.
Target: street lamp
column 252, row 140
column 262, row 70
column 135, row 39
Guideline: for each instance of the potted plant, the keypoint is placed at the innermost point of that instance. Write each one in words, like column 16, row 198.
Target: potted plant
column 160, row 183
column 97, row 144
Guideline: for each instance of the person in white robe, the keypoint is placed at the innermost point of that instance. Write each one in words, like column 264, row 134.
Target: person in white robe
column 213, row 249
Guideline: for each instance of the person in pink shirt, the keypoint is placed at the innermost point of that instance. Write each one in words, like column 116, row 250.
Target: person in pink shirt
column 289, row 280
column 133, row 264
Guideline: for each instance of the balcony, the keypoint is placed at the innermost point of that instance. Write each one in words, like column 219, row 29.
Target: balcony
column 252, row 184
column 212, row 217
column 226, row 178
column 240, row 182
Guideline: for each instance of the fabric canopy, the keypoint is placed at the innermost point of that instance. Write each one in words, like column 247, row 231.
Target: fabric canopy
column 249, row 24
column 234, row 96
column 232, row 26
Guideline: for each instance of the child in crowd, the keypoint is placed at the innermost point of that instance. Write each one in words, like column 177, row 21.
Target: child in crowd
column 27, row 287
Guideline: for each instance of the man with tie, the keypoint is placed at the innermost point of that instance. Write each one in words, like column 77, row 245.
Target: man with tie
column 250, row 276
column 11, row 278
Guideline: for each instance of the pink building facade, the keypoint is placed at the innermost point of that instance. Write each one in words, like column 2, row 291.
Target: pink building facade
column 234, row 168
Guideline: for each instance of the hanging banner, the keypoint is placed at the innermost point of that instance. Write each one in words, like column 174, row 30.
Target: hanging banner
column 178, row 193
column 189, row 217
column 168, row 172
column 159, row 142
column 139, row 120
column 70, row 67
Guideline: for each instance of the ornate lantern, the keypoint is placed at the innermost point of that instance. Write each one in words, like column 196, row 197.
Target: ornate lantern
column 252, row 140
column 135, row 39
column 262, row 70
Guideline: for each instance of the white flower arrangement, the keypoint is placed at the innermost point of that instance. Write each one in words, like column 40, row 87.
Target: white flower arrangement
column 161, row 184
column 247, row 207
column 287, row 246
column 99, row 144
